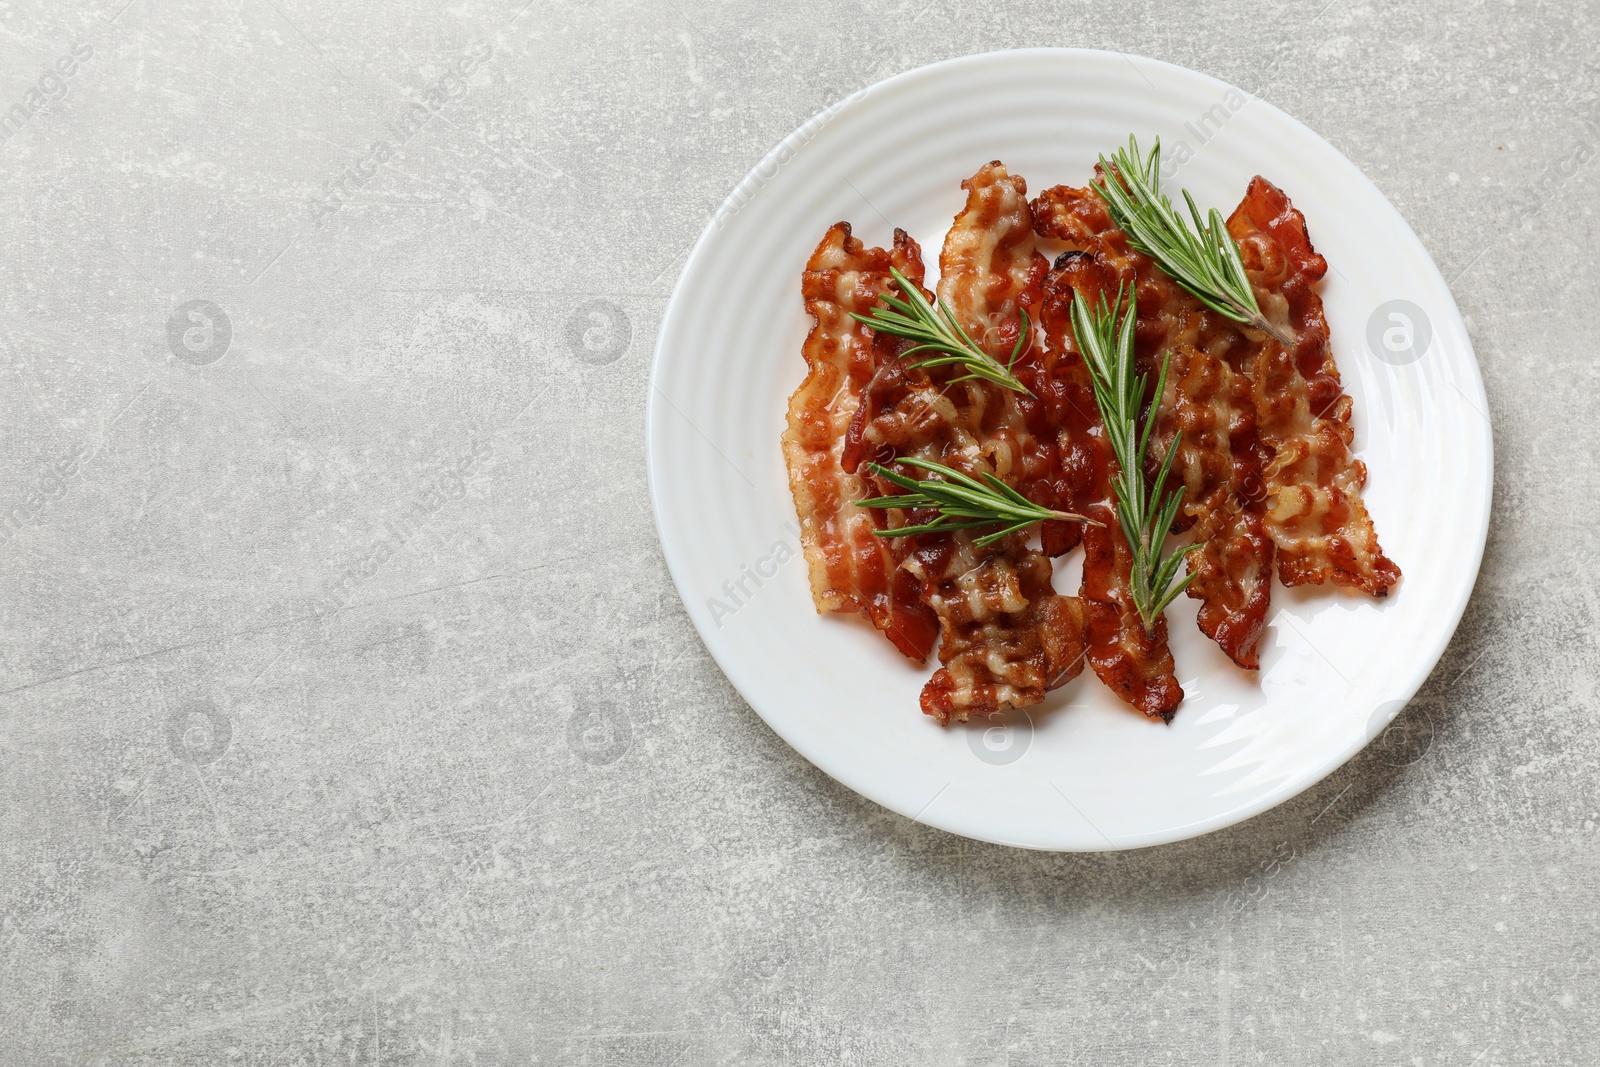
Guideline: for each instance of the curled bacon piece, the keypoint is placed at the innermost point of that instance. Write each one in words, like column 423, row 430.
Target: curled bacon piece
column 1208, row 402
column 990, row 268
column 851, row 569
column 1263, row 454
column 1079, row 217
column 1133, row 662
column 1219, row 460
column 1314, row 512
column 1006, row 636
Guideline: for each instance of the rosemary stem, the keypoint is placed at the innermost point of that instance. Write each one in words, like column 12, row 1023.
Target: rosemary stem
column 1282, row 336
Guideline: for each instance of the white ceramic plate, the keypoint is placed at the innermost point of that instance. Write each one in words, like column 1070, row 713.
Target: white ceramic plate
column 1081, row 771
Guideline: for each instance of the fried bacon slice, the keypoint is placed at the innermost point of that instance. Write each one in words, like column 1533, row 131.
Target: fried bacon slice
column 1133, row 662
column 1208, row 402
column 851, row 569
column 1263, row 457
column 1315, row 513
column 1220, row 460
column 1006, row 636
column 1079, row 218
column 990, row 267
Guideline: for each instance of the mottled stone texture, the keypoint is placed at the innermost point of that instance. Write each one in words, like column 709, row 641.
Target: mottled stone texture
column 350, row 715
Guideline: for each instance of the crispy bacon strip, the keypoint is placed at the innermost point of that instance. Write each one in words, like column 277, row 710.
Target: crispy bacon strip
column 990, row 268
column 1208, row 401
column 851, row 569
column 1006, row 636
column 1005, row 640
column 1315, row 513
column 1264, row 454
column 1133, row 663
column 1219, row 460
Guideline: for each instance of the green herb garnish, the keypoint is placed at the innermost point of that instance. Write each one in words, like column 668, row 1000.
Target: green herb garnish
column 938, row 331
column 1119, row 393
column 1204, row 260
column 963, row 503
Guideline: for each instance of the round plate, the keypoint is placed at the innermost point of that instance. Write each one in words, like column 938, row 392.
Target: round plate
column 1080, row 771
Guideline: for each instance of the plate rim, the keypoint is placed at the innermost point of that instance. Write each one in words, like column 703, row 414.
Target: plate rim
column 1289, row 787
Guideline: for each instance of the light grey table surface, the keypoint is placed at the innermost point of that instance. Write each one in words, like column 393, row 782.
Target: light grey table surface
column 350, row 715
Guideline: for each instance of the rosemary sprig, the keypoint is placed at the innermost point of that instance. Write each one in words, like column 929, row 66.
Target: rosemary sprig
column 1119, row 393
column 963, row 503
column 938, row 331
column 1204, row 260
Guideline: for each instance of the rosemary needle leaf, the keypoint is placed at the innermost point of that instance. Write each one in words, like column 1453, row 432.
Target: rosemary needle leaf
column 1107, row 349
column 915, row 319
column 1204, row 260
column 962, row 502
